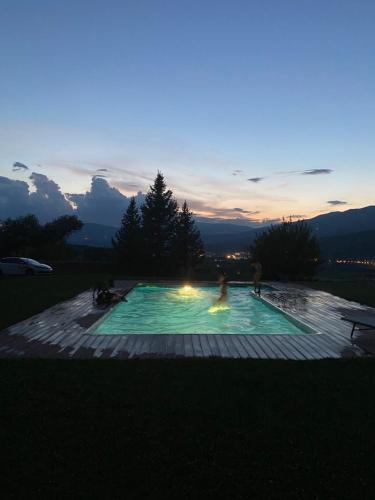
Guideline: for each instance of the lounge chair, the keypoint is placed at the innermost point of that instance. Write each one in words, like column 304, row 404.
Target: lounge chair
column 360, row 318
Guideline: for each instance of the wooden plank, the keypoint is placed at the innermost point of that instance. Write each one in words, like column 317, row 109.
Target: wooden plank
column 278, row 348
column 179, row 346
column 170, row 347
column 211, row 339
column 162, row 344
column 188, row 345
column 157, row 345
column 288, row 348
column 130, row 343
column 224, row 352
column 221, row 348
column 238, row 346
column 262, row 348
column 90, row 339
column 249, row 349
column 205, row 346
column 301, row 345
column 119, row 345
column 137, row 345
column 97, row 340
column 78, row 344
column 100, row 347
column 233, row 352
column 149, row 345
column 67, row 339
column 318, row 342
column 252, row 346
column 197, row 345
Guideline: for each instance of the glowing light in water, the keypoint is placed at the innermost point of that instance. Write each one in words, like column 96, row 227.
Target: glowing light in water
column 188, row 291
column 218, row 307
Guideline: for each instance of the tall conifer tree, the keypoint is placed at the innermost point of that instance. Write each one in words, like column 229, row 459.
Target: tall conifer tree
column 159, row 215
column 188, row 244
column 128, row 240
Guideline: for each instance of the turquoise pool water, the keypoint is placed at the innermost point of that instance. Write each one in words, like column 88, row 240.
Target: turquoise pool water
column 176, row 309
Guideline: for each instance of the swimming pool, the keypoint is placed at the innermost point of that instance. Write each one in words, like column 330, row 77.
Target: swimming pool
column 177, row 309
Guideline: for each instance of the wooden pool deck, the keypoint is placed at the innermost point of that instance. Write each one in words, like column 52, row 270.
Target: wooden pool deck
column 61, row 332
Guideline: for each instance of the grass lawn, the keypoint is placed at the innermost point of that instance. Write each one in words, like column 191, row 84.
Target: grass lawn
column 23, row 296
column 359, row 291
column 188, row 429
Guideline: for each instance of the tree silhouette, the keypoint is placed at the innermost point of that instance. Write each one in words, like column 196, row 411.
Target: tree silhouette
column 54, row 235
column 287, row 250
column 20, row 235
column 59, row 229
column 188, row 248
column 128, row 240
column 24, row 236
column 159, row 216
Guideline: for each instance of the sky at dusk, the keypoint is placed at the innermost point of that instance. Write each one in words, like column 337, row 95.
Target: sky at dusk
column 252, row 109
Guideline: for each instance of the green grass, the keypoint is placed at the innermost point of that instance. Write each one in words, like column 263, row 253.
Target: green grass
column 359, row 291
column 23, row 296
column 188, row 429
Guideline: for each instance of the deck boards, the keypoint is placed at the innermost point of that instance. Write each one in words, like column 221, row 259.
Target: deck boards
column 61, row 332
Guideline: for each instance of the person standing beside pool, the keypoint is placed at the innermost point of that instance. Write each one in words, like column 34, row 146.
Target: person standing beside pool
column 257, row 276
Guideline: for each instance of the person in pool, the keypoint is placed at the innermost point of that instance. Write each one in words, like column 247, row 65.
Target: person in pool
column 257, row 276
column 103, row 296
column 223, row 281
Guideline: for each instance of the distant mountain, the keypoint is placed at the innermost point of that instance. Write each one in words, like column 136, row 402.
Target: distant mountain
column 335, row 231
column 222, row 243
column 349, row 221
column 352, row 245
column 98, row 235
column 93, row 235
column 212, row 228
column 237, row 221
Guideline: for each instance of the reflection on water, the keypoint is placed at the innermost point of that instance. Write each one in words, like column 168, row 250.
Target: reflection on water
column 218, row 308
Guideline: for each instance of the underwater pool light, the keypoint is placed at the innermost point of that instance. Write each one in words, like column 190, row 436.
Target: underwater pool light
column 188, row 291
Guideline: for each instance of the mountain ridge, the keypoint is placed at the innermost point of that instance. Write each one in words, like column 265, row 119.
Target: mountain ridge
column 226, row 237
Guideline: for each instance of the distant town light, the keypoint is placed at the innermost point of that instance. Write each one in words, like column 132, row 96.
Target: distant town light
column 358, row 261
column 237, row 256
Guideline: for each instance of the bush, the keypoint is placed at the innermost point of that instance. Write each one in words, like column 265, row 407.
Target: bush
column 287, row 251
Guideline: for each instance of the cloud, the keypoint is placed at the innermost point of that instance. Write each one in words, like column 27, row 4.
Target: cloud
column 271, row 221
column 237, row 171
column 103, row 204
column 297, row 216
column 250, row 212
column 310, row 171
column 129, row 187
column 46, row 202
column 337, row 202
column 256, row 179
column 202, row 210
column 14, row 198
column 317, row 171
column 17, row 166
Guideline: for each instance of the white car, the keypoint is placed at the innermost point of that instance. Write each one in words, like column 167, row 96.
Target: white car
column 22, row 265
